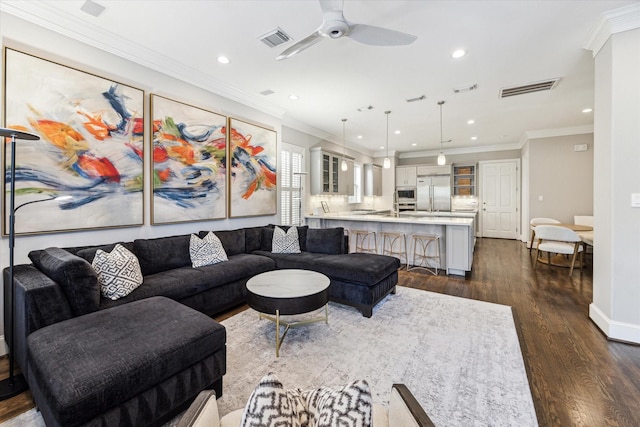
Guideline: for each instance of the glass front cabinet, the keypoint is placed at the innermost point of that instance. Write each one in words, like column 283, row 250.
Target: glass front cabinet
column 464, row 180
column 326, row 176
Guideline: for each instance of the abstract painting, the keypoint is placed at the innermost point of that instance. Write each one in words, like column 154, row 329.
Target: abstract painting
column 189, row 163
column 87, row 168
column 253, row 169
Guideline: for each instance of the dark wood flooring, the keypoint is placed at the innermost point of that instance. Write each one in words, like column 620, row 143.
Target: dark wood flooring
column 577, row 376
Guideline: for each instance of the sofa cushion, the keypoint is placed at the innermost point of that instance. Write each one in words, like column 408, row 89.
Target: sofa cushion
column 89, row 252
column 267, row 237
column 326, row 240
column 252, row 239
column 87, row 365
column 183, row 282
column 162, row 254
column 233, row 241
column 285, row 242
column 356, row 268
column 118, row 272
column 75, row 276
column 206, row 251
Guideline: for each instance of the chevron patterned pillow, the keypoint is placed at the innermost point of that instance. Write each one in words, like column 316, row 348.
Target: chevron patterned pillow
column 118, row 272
column 206, row 251
column 349, row 406
column 285, row 243
column 270, row 405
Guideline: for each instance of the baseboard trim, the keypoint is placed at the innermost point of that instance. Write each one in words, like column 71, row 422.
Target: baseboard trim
column 619, row 331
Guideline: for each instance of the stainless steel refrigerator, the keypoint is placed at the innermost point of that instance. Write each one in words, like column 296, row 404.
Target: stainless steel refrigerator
column 434, row 193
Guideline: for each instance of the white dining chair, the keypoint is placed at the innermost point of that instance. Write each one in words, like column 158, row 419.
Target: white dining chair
column 539, row 221
column 558, row 240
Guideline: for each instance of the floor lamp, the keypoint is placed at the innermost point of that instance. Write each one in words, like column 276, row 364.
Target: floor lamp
column 15, row 384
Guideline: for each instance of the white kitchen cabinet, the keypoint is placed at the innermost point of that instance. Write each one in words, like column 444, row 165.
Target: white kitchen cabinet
column 372, row 180
column 460, row 243
column 434, row 170
column 326, row 174
column 464, row 180
column 406, row 176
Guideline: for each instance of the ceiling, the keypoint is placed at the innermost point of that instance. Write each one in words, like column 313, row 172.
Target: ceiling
column 508, row 43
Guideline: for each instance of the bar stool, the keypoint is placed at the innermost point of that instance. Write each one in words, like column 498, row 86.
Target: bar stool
column 424, row 241
column 364, row 240
column 390, row 240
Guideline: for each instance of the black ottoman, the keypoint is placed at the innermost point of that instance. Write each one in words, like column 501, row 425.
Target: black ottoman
column 136, row 364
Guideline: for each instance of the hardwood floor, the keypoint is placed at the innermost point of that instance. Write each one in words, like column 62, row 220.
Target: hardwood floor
column 577, row 376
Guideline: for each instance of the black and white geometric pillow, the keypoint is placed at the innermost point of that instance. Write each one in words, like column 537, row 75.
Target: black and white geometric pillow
column 206, row 251
column 350, row 405
column 118, row 272
column 285, row 243
column 270, row 405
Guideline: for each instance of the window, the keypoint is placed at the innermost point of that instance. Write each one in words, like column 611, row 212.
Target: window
column 357, row 184
column 291, row 187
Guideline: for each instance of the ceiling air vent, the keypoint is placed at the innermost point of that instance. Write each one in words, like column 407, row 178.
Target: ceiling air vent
column 275, row 37
column 529, row 88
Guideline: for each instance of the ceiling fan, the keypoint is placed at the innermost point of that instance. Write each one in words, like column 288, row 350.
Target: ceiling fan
column 334, row 26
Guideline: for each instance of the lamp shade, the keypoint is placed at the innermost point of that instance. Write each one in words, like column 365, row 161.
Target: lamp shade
column 344, row 165
column 441, row 159
column 386, row 163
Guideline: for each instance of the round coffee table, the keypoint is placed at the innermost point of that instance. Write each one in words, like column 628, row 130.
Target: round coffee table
column 288, row 292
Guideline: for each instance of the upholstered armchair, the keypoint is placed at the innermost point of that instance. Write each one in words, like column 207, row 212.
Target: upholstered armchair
column 403, row 411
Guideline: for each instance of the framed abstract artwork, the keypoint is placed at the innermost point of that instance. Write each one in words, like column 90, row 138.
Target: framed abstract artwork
column 188, row 163
column 87, row 170
column 252, row 157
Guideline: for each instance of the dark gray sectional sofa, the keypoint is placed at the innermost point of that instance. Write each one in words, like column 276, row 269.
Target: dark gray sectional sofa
column 61, row 286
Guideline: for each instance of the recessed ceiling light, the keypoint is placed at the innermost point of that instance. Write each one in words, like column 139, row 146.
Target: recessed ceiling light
column 473, row 138
column 397, row 132
column 382, row 148
column 459, row 53
column 223, row 59
column 414, row 144
column 470, row 121
column 359, row 137
column 587, row 110
column 293, row 97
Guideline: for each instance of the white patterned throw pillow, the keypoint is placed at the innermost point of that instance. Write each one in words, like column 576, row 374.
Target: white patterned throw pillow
column 348, row 406
column 206, row 251
column 285, row 243
column 270, row 405
column 118, row 272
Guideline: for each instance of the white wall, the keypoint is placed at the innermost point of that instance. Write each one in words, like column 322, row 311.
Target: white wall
column 616, row 282
column 33, row 39
column 561, row 176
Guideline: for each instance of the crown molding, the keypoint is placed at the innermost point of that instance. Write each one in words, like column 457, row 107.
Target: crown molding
column 612, row 22
column 51, row 18
column 551, row 133
column 462, row 150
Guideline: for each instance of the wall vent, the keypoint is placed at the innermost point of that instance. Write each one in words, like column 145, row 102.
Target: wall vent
column 275, row 37
column 529, row 88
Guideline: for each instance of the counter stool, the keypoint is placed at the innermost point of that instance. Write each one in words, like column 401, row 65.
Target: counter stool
column 421, row 259
column 390, row 241
column 366, row 241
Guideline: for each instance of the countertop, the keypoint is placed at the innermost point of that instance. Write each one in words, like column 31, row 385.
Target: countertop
column 432, row 220
column 455, row 214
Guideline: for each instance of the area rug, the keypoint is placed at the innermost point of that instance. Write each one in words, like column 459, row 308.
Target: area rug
column 459, row 357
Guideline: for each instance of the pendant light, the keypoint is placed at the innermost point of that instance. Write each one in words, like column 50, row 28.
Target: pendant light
column 343, row 165
column 387, row 162
column 441, row 158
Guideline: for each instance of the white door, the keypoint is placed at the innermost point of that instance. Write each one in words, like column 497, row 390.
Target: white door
column 499, row 199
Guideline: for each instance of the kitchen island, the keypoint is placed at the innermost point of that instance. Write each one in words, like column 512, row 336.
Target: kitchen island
column 456, row 233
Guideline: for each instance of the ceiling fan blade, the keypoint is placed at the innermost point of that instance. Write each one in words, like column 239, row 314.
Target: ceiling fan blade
column 378, row 36
column 331, row 5
column 300, row 46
